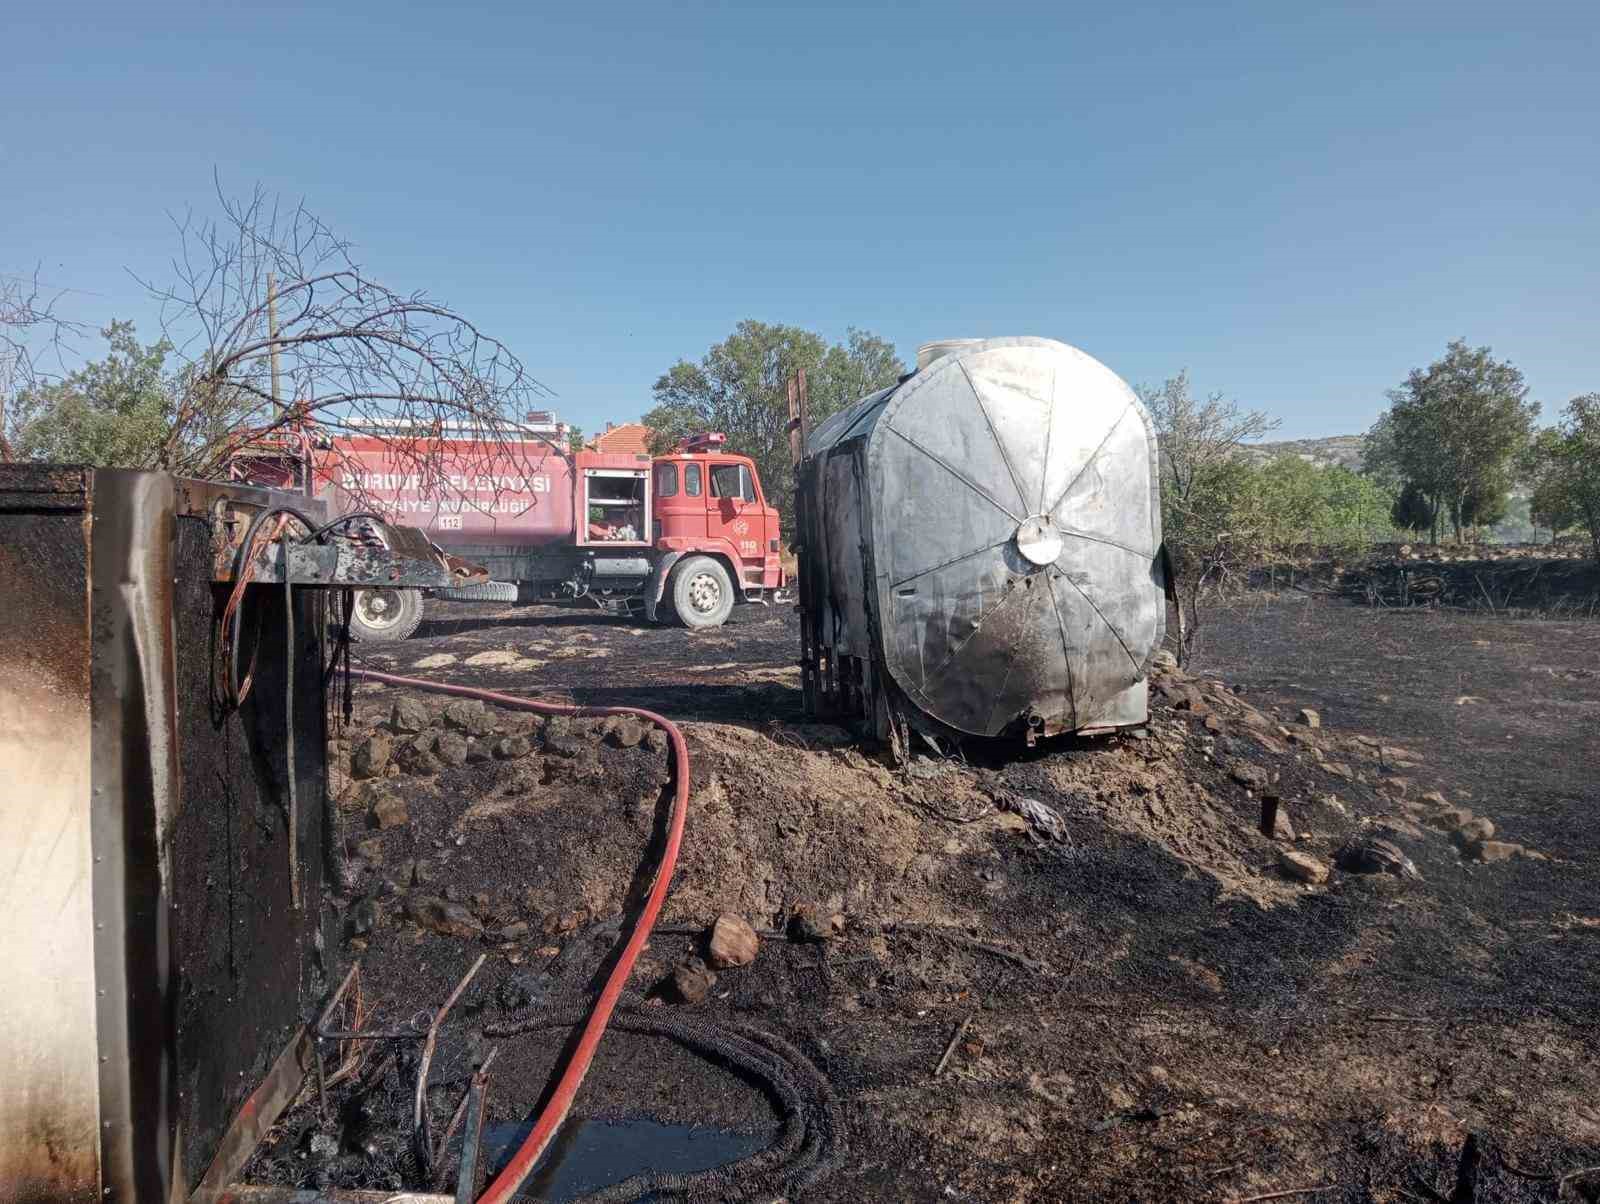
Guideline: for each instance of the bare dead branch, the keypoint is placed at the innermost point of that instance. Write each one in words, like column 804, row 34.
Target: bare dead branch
column 356, row 357
column 32, row 333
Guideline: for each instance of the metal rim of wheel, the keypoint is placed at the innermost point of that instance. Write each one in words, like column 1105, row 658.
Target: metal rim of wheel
column 379, row 609
column 705, row 592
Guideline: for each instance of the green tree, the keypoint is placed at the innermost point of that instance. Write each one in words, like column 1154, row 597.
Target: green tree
column 1412, row 510
column 117, row 412
column 740, row 387
column 1564, row 464
column 1454, row 430
column 1204, row 486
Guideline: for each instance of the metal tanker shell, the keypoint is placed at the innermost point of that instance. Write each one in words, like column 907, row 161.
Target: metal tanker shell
column 1013, row 524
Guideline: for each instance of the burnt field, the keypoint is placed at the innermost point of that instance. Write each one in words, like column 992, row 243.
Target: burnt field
column 1078, row 973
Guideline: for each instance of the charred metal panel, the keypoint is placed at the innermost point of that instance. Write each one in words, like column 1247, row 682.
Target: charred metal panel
column 1010, row 523
column 248, row 957
column 49, row 1085
column 152, row 960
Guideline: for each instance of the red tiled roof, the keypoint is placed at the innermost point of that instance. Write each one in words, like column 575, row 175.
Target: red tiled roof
column 629, row 438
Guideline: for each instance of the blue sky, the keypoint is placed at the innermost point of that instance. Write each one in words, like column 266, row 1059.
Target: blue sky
column 1299, row 203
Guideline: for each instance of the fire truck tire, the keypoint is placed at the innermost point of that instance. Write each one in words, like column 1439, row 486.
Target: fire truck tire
column 385, row 616
column 701, row 592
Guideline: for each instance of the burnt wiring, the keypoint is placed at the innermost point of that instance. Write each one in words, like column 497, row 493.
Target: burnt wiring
column 235, row 686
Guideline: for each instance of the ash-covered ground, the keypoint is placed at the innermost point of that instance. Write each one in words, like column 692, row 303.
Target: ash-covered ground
column 1159, row 1001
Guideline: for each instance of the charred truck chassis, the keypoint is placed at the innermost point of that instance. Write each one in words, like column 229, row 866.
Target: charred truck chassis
column 161, row 947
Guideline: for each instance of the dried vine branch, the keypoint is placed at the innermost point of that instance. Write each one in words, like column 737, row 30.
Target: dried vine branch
column 284, row 337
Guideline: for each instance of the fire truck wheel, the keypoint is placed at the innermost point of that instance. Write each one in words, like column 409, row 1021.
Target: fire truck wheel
column 702, row 594
column 385, row 616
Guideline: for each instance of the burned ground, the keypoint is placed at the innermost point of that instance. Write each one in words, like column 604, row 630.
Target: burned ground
column 1152, row 1008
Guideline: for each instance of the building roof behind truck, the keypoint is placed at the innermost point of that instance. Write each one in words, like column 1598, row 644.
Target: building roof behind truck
column 627, row 438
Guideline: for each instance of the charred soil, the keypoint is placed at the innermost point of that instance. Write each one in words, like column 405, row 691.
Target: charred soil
column 1080, row 971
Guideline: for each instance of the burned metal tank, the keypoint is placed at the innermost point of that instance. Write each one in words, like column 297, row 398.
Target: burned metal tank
column 980, row 547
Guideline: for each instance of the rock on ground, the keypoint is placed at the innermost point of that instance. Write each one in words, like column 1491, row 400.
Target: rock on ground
column 389, row 811
column 1301, row 867
column 409, row 717
column 733, row 942
column 442, row 916
column 1494, row 850
column 693, row 981
column 372, row 756
column 1472, row 832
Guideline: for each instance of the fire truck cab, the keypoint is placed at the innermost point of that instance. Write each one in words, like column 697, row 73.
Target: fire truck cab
column 710, row 513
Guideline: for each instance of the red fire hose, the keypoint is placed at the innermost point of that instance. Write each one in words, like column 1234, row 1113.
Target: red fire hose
column 549, row 1121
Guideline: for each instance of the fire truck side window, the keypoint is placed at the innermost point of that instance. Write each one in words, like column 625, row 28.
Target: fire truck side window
column 691, row 479
column 666, row 480
column 726, row 480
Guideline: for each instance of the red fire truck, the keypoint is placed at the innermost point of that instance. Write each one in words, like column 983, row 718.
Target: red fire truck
column 681, row 536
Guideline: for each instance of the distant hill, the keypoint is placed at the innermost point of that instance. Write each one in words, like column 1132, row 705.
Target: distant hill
column 1333, row 449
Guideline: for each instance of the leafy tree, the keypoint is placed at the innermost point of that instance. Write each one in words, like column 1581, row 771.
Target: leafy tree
column 117, row 412
column 1564, row 464
column 1412, row 510
column 740, row 387
column 1453, row 430
column 1357, row 506
column 1202, row 484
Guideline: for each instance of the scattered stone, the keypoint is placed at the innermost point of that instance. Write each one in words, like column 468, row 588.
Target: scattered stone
column 510, row 748
column 1339, row 770
column 1252, row 777
column 1181, row 696
column 468, row 715
column 559, row 925
column 656, row 740
column 1301, row 867
column 372, row 755
column 1164, row 660
column 809, row 924
column 562, row 739
column 1270, row 744
column 415, row 756
column 1471, row 832
column 1447, row 819
column 1332, row 802
column 623, row 732
column 478, row 752
column 409, row 717
column 450, row 748
column 389, row 811
column 1494, row 850
column 1310, row 718
column 693, row 981
column 1275, row 819
column 442, row 916
column 1374, row 855
column 1436, row 799
column 733, row 942
column 517, row 930
column 1213, row 725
